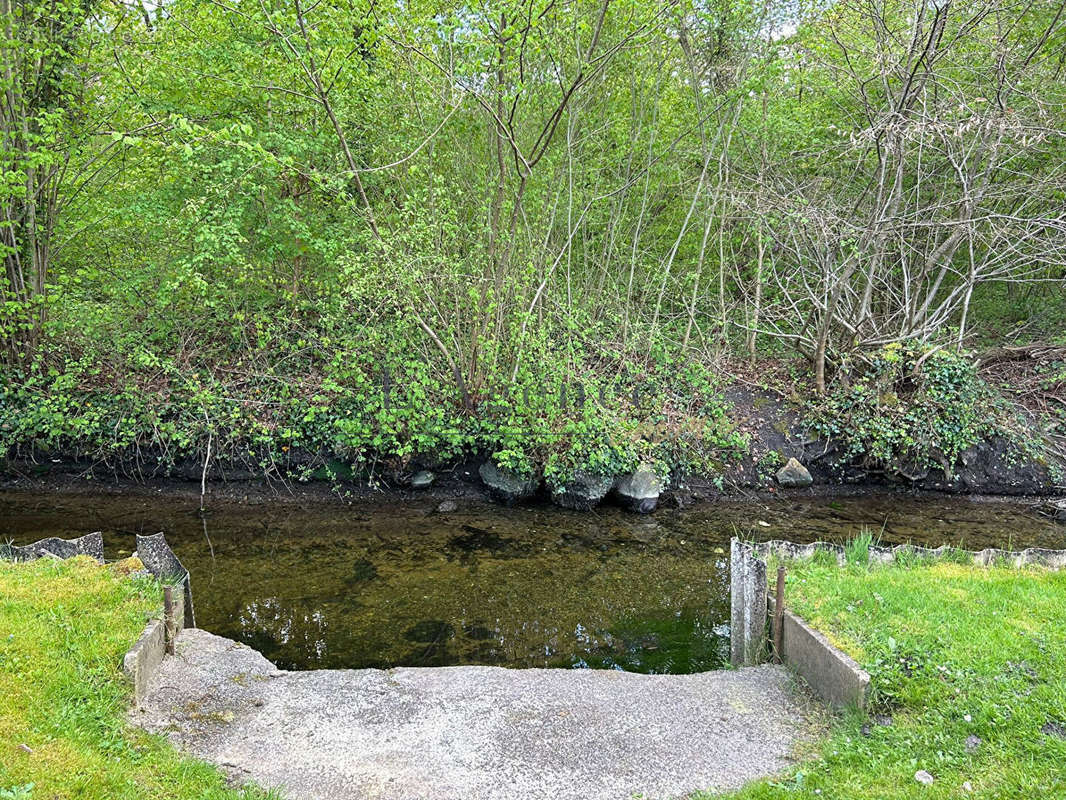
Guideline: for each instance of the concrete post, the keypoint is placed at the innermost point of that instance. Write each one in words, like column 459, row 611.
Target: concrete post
column 747, row 630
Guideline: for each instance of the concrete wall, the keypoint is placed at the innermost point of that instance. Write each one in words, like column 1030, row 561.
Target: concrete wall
column 141, row 661
column 1032, row 556
column 832, row 674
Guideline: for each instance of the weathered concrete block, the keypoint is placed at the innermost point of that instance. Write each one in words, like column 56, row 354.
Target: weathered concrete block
column 141, row 660
column 92, row 544
column 161, row 561
column 832, row 674
column 747, row 631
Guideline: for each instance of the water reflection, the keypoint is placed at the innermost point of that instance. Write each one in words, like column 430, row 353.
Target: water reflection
column 328, row 587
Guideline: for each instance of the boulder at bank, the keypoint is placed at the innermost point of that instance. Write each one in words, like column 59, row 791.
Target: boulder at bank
column 794, row 474
column 639, row 490
column 583, row 492
column 1056, row 509
column 505, row 485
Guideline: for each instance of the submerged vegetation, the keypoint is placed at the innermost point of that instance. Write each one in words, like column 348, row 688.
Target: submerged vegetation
column 66, row 625
column 293, row 237
column 968, row 669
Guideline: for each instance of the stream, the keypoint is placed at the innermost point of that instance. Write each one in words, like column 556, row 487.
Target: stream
column 323, row 585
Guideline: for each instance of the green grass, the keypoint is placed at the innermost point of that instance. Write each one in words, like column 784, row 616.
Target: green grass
column 64, row 627
column 954, row 651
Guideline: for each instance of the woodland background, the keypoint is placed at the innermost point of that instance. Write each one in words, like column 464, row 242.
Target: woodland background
column 224, row 223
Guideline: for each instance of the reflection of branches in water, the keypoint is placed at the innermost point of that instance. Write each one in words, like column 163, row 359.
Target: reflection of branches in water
column 210, row 546
column 272, row 622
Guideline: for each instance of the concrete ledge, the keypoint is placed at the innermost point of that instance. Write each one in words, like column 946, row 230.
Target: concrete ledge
column 832, row 674
column 1032, row 556
column 141, row 661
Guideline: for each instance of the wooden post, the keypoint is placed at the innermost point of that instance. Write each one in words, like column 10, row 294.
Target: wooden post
column 169, row 628
column 779, row 615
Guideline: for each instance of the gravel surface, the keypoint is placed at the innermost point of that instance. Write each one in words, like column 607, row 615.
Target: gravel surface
column 473, row 733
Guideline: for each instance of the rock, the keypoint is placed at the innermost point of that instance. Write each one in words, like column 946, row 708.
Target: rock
column 1056, row 509
column 423, row 479
column 967, row 786
column 972, row 743
column 92, row 544
column 924, row 778
column 794, row 474
column 639, row 490
column 505, row 485
column 447, row 507
column 583, row 492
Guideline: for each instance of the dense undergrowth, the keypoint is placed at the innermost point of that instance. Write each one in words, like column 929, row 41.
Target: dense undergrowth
column 328, row 398
column 148, row 381
column 905, row 408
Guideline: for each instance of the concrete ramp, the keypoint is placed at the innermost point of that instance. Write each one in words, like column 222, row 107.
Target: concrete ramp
column 472, row 733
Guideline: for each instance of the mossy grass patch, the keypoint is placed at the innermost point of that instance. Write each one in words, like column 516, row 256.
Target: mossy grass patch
column 64, row 627
column 969, row 681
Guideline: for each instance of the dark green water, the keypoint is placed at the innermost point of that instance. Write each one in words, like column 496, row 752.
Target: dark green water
column 324, row 585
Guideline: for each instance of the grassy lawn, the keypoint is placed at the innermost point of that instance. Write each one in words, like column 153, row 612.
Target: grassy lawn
column 955, row 651
column 64, row 627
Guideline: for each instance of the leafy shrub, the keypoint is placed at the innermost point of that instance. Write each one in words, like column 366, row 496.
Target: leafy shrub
column 909, row 407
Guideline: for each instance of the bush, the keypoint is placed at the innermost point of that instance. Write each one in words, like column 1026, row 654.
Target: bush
column 909, row 407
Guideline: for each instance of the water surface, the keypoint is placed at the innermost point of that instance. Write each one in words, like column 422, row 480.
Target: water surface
column 326, row 585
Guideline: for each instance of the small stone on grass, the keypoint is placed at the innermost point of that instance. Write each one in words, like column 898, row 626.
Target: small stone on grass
column 1057, row 729
column 924, row 778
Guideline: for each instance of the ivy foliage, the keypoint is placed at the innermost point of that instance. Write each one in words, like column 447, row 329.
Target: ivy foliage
column 908, row 407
